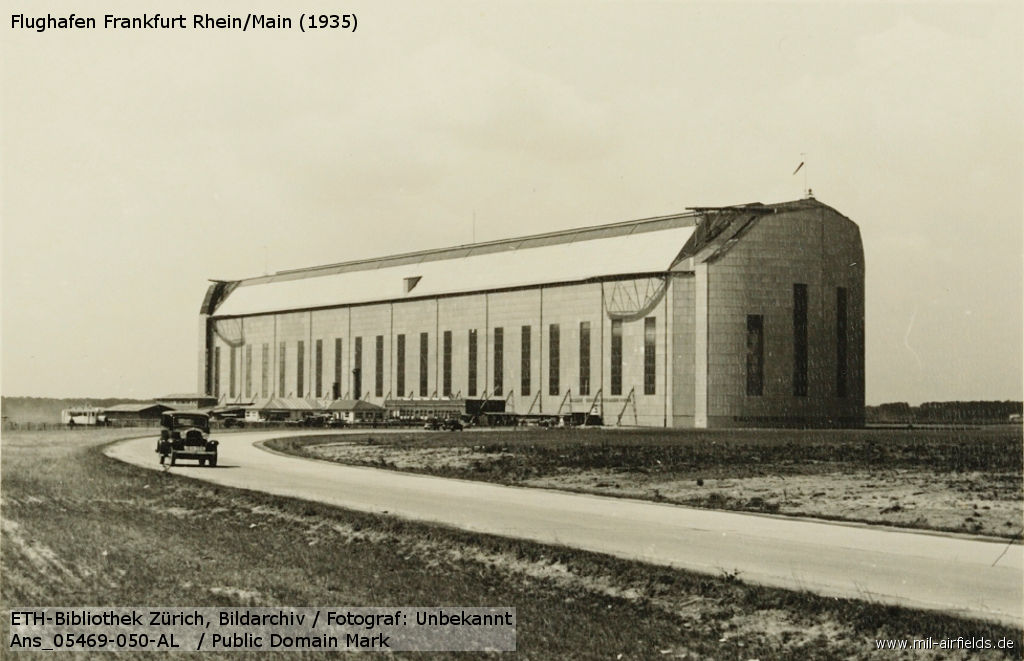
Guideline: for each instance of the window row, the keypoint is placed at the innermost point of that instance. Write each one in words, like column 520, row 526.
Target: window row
column 755, row 345
column 554, row 339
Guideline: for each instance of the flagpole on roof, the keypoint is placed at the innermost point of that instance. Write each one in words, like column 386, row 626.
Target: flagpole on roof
column 803, row 162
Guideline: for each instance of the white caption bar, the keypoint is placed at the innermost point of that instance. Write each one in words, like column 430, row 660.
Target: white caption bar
column 397, row 629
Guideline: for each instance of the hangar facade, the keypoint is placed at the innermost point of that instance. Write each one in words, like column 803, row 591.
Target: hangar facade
column 751, row 315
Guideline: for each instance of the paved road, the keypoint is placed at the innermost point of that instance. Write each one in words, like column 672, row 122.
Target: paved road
column 967, row 576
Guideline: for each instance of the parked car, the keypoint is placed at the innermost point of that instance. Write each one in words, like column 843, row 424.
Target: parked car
column 450, row 424
column 186, row 435
column 316, row 420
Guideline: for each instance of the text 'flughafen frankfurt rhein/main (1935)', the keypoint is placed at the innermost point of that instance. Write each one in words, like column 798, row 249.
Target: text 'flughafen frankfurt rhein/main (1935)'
column 345, row 22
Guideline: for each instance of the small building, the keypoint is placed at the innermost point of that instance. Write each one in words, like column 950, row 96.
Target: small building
column 82, row 415
column 187, row 401
column 229, row 414
column 423, row 408
column 282, row 409
column 139, row 413
column 354, row 411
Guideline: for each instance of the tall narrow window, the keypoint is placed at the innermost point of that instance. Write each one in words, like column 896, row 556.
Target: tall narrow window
column 378, row 376
column 231, row 371
column 210, row 351
column 248, row 371
column 584, row 358
column 336, row 390
column 424, row 362
column 281, row 392
column 472, row 363
column 650, row 355
column 400, row 365
column 216, row 371
column 357, row 369
column 446, row 381
column 800, row 340
column 499, row 361
column 319, row 368
column 755, row 355
column 554, row 359
column 300, row 370
column 841, row 341
column 265, row 370
column 616, row 367
column 524, row 368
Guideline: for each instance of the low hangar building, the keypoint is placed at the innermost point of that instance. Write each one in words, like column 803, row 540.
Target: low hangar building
column 751, row 315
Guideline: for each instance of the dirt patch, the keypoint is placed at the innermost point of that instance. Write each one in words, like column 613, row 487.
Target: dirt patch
column 987, row 503
column 450, row 458
column 238, row 595
column 974, row 503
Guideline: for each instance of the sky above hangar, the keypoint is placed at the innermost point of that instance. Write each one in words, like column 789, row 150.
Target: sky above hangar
column 137, row 164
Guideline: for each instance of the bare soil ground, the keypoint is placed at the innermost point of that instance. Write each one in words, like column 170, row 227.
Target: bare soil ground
column 967, row 481
column 81, row 529
column 973, row 502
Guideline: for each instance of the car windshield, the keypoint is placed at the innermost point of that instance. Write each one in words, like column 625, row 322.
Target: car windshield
column 190, row 421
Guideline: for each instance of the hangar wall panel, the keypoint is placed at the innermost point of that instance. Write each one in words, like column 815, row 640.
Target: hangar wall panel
column 566, row 307
column 292, row 328
column 329, row 326
column 682, row 360
column 367, row 322
column 510, row 311
column 257, row 332
column 460, row 314
column 412, row 318
column 643, row 409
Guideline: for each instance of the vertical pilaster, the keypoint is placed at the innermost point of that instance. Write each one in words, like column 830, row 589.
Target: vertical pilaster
column 203, row 374
column 700, row 344
column 668, row 352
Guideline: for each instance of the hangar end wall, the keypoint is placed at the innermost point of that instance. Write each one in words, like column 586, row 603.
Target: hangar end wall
column 785, row 314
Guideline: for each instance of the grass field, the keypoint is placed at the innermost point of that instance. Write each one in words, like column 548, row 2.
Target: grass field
column 82, row 529
column 966, row 480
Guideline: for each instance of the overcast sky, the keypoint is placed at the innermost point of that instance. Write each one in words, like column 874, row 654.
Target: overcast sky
column 138, row 164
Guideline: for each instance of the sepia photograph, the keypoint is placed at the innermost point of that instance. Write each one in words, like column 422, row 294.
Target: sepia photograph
column 538, row 330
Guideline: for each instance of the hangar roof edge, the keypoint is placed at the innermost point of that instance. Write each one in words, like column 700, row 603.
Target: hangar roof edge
column 687, row 218
column 621, row 228
column 644, row 255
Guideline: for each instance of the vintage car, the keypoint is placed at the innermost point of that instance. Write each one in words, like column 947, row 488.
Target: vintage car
column 186, row 435
column 449, row 424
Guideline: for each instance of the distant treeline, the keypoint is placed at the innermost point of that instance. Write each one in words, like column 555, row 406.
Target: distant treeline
column 47, row 409
column 944, row 412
